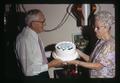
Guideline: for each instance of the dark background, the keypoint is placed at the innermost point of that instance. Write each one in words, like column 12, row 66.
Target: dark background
column 9, row 32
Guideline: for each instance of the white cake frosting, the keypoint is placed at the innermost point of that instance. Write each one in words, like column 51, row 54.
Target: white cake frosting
column 65, row 51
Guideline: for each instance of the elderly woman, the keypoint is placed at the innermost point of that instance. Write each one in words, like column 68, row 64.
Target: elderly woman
column 102, row 60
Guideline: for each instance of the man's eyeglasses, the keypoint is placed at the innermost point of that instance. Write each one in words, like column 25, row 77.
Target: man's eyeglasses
column 43, row 22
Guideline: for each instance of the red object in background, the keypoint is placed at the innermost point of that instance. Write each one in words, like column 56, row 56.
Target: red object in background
column 73, row 73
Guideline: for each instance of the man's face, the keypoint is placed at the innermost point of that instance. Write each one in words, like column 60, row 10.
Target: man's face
column 38, row 25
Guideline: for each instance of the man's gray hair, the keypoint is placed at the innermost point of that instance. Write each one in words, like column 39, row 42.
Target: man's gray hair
column 32, row 15
column 105, row 17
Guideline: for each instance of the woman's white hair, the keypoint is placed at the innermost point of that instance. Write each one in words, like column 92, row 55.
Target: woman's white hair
column 32, row 15
column 105, row 17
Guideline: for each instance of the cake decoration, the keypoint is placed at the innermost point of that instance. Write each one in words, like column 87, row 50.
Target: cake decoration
column 65, row 51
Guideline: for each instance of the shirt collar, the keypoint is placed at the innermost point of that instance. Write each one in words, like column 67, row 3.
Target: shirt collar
column 32, row 32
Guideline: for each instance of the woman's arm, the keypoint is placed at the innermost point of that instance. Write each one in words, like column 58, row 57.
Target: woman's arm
column 83, row 55
column 89, row 65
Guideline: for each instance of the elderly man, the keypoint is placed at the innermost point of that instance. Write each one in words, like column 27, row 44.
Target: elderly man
column 30, row 49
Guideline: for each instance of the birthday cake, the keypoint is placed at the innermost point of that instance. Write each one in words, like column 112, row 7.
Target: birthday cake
column 65, row 51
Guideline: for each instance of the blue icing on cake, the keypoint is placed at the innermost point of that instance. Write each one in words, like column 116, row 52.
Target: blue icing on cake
column 65, row 46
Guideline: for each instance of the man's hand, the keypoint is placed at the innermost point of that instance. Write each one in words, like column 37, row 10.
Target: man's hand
column 55, row 63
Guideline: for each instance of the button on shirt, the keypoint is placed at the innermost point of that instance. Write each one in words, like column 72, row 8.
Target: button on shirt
column 29, row 52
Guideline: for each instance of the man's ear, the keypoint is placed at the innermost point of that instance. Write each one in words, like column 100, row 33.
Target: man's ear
column 32, row 24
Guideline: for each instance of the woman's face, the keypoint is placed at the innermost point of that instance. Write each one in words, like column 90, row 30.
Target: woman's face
column 100, row 29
